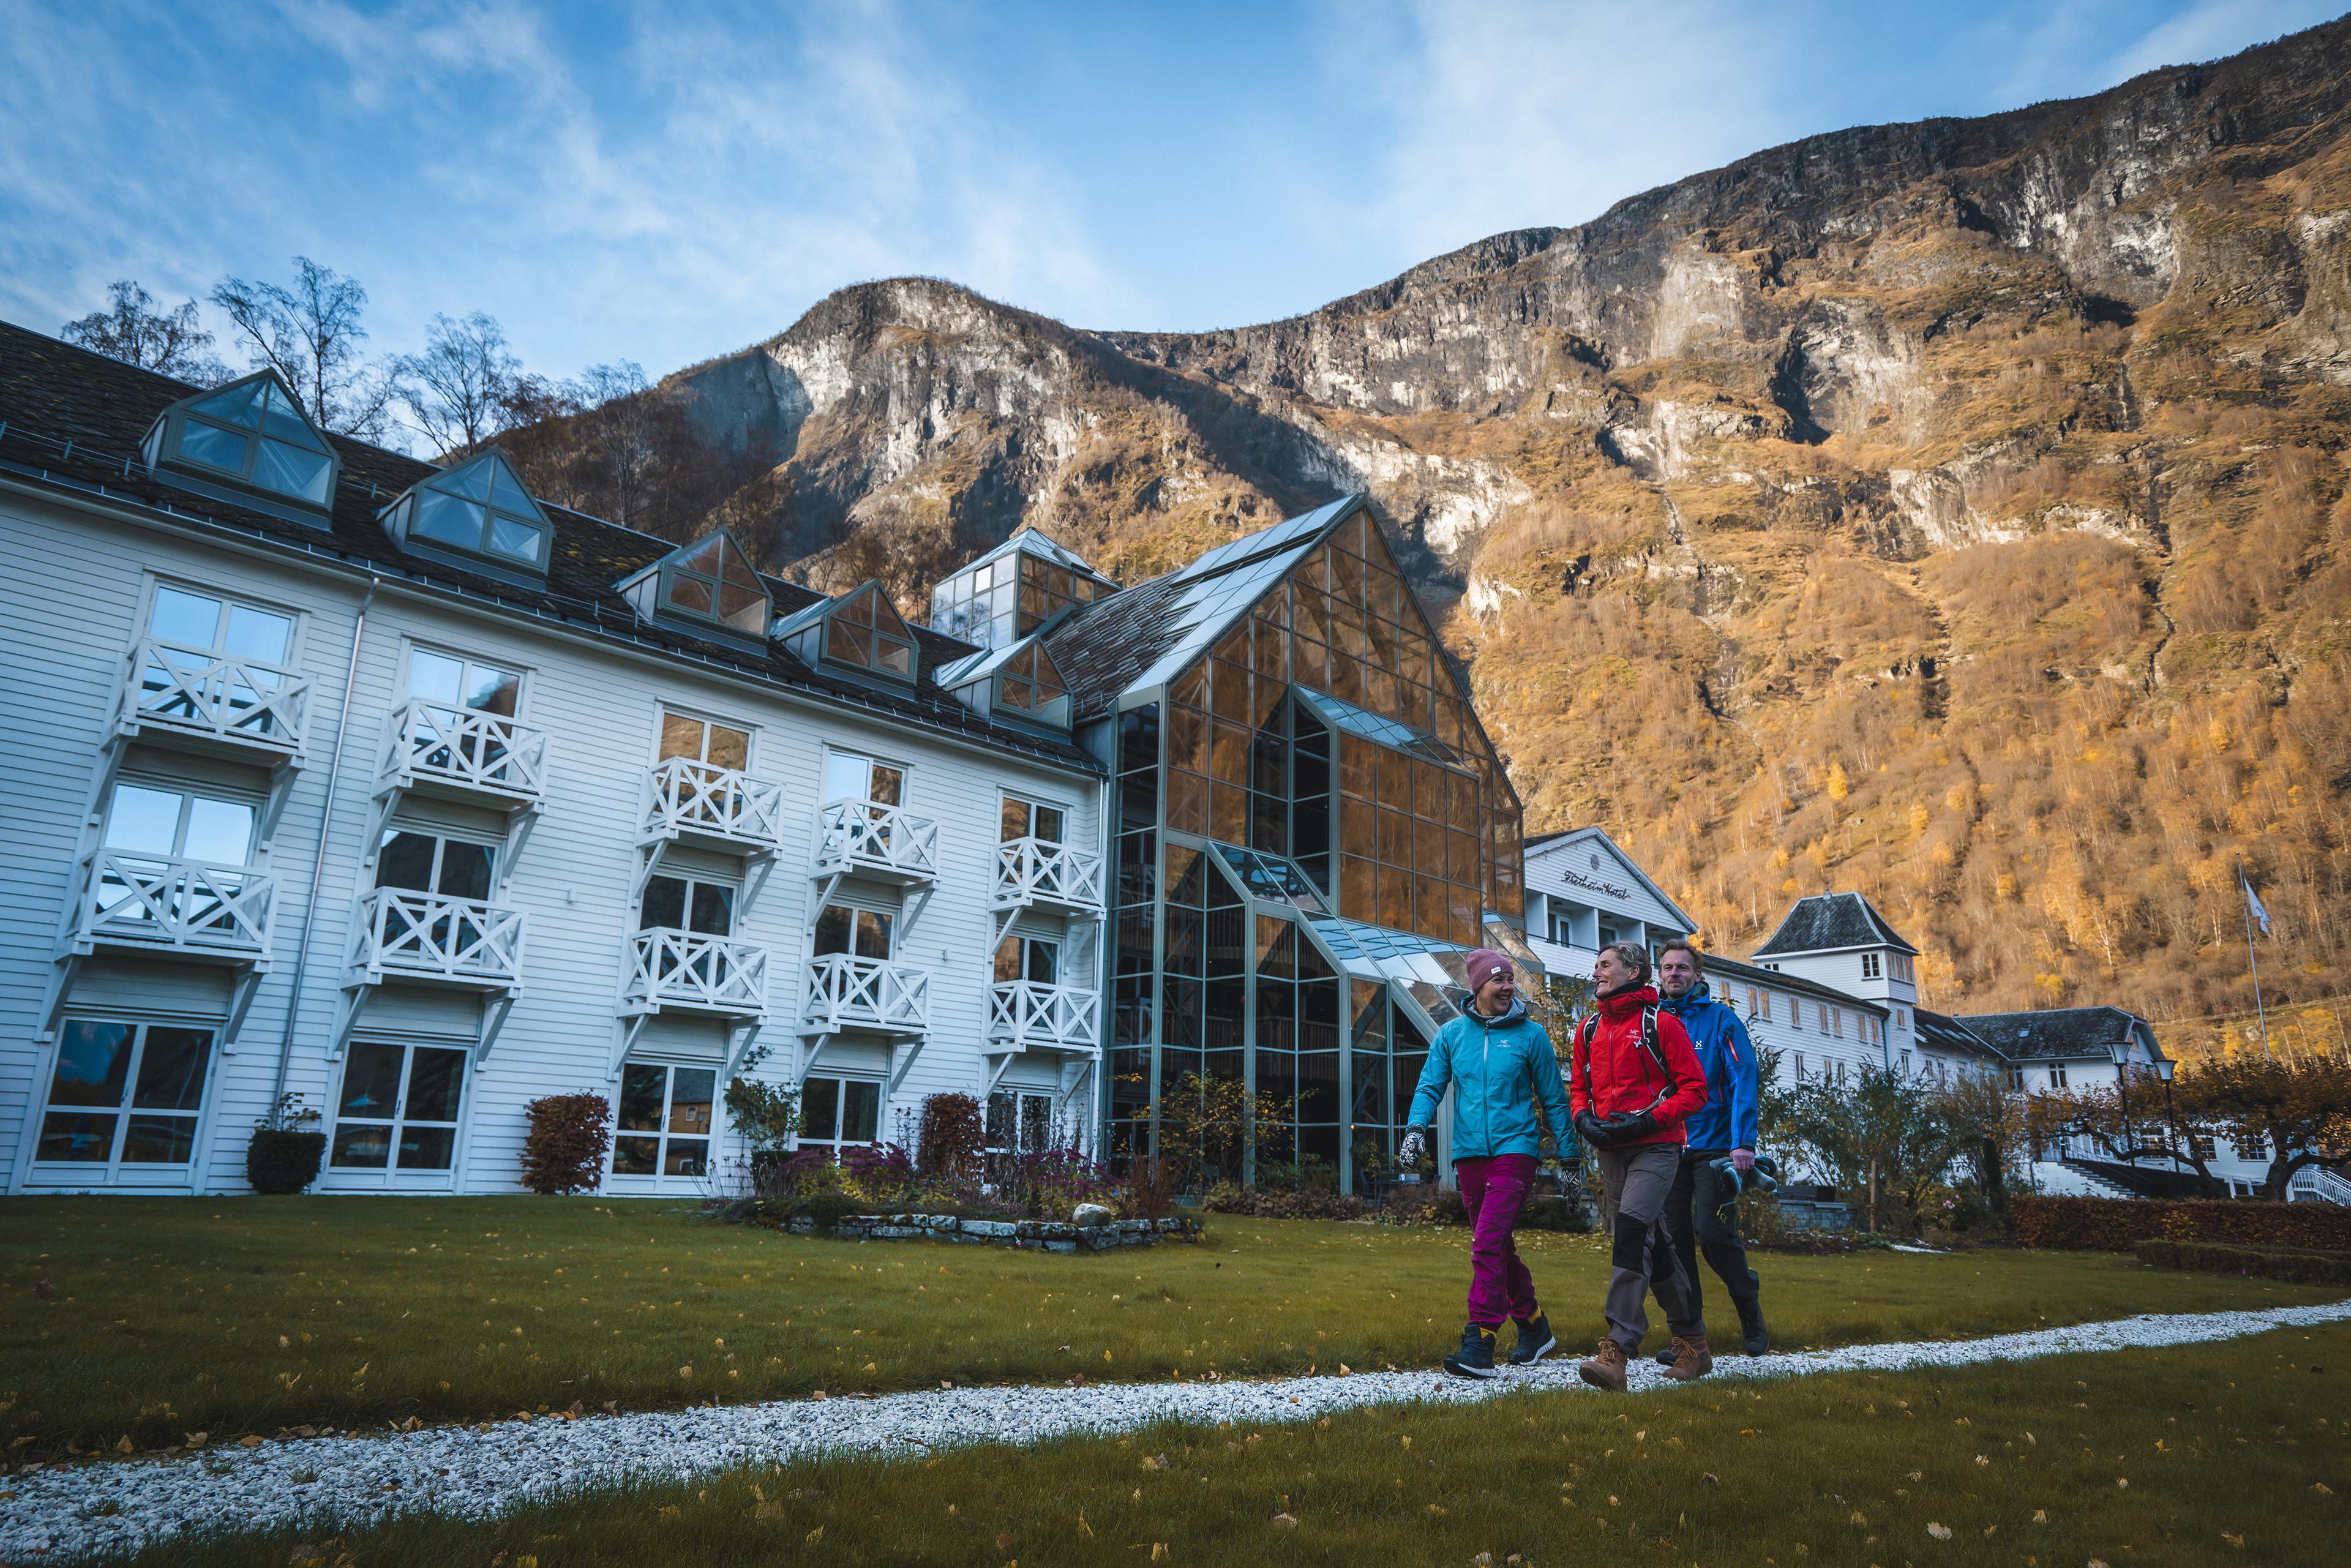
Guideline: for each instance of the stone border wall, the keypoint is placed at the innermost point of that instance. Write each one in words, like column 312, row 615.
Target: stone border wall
column 1040, row 1235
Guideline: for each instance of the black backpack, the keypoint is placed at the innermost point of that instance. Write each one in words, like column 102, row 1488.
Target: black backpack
column 1583, row 1032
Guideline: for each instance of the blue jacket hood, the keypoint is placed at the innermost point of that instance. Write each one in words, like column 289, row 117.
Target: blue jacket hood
column 1726, row 1055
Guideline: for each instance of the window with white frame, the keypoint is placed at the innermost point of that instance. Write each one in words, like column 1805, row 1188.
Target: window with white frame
column 2056, row 1075
column 178, row 822
column 1905, row 1064
column 1019, row 1123
column 215, row 626
column 1799, row 1059
column 664, row 1126
column 838, row 1114
column 461, row 681
column 1902, row 967
column 2249, row 1145
column 2202, row 1144
column 1025, row 819
column 701, row 904
column 124, row 1097
column 418, row 861
column 858, row 933
column 1869, row 967
column 850, row 777
column 399, row 1107
column 699, row 739
column 1028, row 959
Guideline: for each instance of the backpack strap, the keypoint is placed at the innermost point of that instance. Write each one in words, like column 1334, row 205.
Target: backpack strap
column 1649, row 1044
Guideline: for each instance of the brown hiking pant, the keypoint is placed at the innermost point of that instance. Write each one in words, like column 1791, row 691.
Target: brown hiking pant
column 1634, row 1185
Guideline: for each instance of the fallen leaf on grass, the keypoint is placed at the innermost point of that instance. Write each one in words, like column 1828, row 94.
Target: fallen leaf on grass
column 668, row 1510
column 1284, row 1521
column 1004, row 1541
column 248, row 1441
column 1156, row 1462
column 1858, row 1517
column 2235, row 1540
column 1158, row 1550
column 2322, row 1488
column 1940, row 1532
column 1712, row 1480
column 813, row 1536
column 1083, row 1528
column 2040, row 1516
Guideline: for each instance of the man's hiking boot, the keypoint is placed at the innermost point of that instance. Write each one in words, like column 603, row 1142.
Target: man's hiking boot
column 1606, row 1367
column 1535, row 1339
column 1475, row 1356
column 1756, row 1337
column 1692, row 1360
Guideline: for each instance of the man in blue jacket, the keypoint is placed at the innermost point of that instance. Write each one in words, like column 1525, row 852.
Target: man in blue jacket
column 1701, row 1208
column 1499, row 1064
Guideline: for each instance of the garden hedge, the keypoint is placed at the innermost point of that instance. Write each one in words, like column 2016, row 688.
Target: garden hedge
column 2120, row 1224
column 2297, row 1267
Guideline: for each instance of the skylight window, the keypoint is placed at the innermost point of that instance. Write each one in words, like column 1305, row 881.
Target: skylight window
column 251, row 435
column 1029, row 687
column 714, row 580
column 478, row 509
column 865, row 629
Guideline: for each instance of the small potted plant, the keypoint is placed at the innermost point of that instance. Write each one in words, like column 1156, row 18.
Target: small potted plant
column 286, row 1147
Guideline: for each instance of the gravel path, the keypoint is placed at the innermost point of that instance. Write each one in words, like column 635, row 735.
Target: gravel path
column 474, row 1473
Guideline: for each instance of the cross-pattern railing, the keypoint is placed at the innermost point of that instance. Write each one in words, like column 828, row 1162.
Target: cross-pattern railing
column 1027, row 1014
column 862, row 835
column 842, row 992
column 696, row 797
column 1037, row 871
column 170, row 901
column 222, row 697
column 469, row 749
column 435, row 937
column 2317, row 1183
column 673, row 969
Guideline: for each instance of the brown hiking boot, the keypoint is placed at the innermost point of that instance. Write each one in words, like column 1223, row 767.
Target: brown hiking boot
column 1691, row 1359
column 1606, row 1367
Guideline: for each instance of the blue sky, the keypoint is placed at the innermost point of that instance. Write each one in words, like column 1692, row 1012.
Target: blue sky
column 663, row 184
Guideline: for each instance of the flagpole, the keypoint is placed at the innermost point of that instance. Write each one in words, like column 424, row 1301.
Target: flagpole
column 2254, row 959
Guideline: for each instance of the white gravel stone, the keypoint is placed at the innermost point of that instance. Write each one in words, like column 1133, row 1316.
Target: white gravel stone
column 345, row 1482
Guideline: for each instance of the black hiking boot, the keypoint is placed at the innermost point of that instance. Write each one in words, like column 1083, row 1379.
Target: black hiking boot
column 1535, row 1341
column 1755, row 1339
column 1475, row 1356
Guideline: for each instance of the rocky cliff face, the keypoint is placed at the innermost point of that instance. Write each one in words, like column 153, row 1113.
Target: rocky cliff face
column 1949, row 510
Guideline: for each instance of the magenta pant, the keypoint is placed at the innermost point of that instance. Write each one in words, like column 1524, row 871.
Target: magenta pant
column 1492, row 1189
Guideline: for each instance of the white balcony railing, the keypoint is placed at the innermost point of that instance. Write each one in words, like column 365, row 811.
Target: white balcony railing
column 693, row 799
column 461, row 749
column 1031, row 872
column 673, row 969
column 877, row 840
column 2317, row 1183
column 839, row 992
column 173, row 904
column 433, row 936
column 239, row 701
column 1027, row 1015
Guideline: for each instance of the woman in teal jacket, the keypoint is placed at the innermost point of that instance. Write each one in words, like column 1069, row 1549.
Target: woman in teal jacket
column 1500, row 1063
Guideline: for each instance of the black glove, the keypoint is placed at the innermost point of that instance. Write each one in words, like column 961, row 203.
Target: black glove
column 1633, row 1126
column 1600, row 1134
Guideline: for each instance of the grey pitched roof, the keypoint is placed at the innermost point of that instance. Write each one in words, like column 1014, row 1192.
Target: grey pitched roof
column 1829, row 923
column 2057, row 1034
column 1147, row 633
column 71, row 422
column 1942, row 1032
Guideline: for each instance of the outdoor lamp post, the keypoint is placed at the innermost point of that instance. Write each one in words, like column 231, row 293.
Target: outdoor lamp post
column 2121, row 1085
column 2163, row 1069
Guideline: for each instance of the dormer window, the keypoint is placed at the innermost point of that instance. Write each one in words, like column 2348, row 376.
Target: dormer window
column 708, row 588
column 865, row 629
column 479, row 509
column 251, row 440
column 1029, row 687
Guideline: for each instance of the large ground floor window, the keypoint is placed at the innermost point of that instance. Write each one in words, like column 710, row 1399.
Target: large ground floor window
column 1020, row 1122
column 837, row 1114
column 664, row 1120
column 397, row 1112
column 124, row 1097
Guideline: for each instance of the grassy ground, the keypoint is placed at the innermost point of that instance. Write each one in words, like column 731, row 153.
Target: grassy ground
column 169, row 1317
column 2235, row 1453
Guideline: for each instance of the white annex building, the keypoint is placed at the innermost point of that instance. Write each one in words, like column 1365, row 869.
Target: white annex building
column 339, row 775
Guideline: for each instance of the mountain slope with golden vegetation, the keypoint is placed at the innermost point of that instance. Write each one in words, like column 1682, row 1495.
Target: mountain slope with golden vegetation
column 1956, row 512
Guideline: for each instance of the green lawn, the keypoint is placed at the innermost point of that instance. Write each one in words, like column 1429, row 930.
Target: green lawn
column 2232, row 1453
column 170, row 1317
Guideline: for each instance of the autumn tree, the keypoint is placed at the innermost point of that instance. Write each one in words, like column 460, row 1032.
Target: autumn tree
column 2300, row 1110
column 460, row 391
column 309, row 332
column 132, row 329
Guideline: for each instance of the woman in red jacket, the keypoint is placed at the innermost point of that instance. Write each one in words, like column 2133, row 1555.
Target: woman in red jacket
column 1634, row 1081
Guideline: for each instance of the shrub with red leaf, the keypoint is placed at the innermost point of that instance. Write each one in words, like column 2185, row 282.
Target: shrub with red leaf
column 564, row 1150
column 2120, row 1224
column 953, row 1146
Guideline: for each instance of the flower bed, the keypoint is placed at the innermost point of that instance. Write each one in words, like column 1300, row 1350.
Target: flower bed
column 1038, row 1235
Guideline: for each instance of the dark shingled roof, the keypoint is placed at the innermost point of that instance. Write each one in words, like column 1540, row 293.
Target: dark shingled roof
column 1828, row 922
column 2056, row 1035
column 1946, row 1034
column 73, row 421
column 1101, row 648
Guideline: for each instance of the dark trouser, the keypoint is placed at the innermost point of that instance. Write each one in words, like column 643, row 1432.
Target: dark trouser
column 1702, row 1213
column 1493, row 1189
column 1634, row 1184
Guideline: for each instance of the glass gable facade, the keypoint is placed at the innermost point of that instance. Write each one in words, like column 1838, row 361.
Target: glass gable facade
column 1014, row 588
column 252, row 434
column 1312, row 831
column 479, row 508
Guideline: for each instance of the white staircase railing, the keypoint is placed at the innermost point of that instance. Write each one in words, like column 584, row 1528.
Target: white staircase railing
column 2317, row 1183
column 472, row 751
column 433, row 936
column 220, row 697
column 1037, row 871
column 723, row 802
column 842, row 992
column 172, row 902
column 673, row 969
column 1028, row 1014
column 864, row 836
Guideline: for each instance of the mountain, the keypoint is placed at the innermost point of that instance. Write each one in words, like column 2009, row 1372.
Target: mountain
column 1953, row 511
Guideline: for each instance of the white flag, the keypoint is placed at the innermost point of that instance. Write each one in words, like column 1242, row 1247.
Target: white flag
column 2253, row 903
